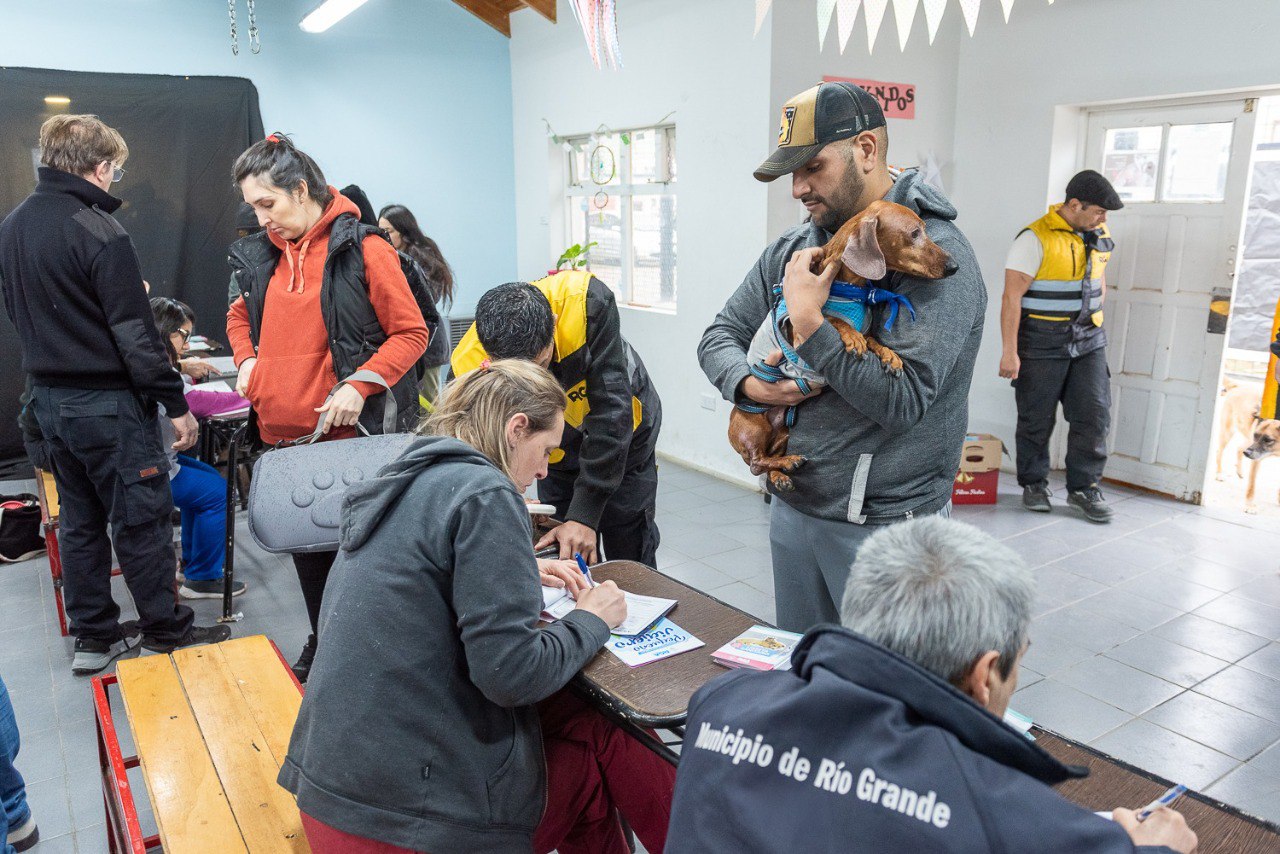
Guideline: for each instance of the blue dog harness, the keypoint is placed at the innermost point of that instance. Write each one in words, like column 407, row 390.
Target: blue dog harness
column 847, row 301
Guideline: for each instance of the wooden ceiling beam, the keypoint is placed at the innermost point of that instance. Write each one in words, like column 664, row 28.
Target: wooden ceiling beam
column 489, row 12
column 545, row 8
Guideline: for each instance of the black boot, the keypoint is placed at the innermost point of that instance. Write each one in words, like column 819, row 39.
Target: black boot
column 302, row 667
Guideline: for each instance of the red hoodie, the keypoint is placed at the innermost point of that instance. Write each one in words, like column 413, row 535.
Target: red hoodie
column 294, row 372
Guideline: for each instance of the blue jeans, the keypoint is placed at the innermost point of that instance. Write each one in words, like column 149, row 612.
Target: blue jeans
column 201, row 494
column 13, row 791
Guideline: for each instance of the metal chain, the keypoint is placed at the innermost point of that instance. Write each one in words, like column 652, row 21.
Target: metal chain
column 235, row 36
column 254, row 44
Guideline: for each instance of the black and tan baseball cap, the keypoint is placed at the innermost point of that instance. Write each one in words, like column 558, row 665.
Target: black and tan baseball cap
column 816, row 117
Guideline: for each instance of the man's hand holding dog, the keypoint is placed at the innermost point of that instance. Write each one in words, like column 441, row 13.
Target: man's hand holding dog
column 806, row 292
column 784, row 393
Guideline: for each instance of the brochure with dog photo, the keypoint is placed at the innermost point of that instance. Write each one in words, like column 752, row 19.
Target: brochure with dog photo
column 758, row 648
column 642, row 611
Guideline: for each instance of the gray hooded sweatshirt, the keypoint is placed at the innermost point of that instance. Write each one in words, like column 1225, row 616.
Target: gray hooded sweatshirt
column 881, row 448
column 418, row 727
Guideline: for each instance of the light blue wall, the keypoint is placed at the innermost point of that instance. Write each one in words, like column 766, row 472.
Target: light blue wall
column 410, row 99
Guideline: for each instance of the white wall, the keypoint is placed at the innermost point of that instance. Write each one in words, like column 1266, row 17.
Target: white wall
column 410, row 100
column 798, row 65
column 1011, row 78
column 699, row 59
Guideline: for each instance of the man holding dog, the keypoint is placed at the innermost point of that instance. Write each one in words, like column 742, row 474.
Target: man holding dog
column 881, row 447
column 1055, row 346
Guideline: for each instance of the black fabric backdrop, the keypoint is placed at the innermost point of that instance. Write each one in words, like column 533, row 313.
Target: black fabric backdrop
column 179, row 206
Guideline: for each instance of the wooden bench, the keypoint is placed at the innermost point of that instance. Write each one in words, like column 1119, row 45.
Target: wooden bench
column 212, row 725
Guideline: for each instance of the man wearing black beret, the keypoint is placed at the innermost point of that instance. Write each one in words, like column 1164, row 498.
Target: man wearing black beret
column 1055, row 346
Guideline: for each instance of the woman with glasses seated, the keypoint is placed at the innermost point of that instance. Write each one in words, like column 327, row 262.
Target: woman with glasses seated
column 199, row 492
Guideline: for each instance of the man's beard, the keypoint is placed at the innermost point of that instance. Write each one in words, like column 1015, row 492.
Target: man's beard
column 842, row 205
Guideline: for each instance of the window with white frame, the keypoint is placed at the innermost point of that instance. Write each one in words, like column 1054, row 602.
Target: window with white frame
column 621, row 196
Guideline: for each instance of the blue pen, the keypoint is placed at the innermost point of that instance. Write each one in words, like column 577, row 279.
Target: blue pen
column 582, row 565
column 1163, row 801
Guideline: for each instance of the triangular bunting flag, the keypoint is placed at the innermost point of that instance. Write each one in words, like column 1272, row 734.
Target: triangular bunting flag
column 933, row 10
column 875, row 16
column 826, row 9
column 970, row 10
column 904, row 12
column 846, row 14
column 762, row 9
column 1007, row 4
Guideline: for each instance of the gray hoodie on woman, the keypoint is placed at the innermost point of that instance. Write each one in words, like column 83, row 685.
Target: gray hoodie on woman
column 881, row 447
column 418, row 727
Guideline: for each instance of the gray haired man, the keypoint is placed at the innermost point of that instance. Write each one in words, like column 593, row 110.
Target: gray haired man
column 886, row 734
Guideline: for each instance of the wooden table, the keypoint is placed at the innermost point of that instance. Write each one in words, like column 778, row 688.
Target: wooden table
column 657, row 694
column 212, row 725
column 1112, row 783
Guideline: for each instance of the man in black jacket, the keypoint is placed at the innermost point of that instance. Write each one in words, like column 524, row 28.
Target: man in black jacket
column 73, row 288
column 886, row 735
column 603, row 479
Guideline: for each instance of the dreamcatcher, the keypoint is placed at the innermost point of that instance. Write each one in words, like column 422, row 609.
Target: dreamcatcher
column 599, row 22
column 603, row 166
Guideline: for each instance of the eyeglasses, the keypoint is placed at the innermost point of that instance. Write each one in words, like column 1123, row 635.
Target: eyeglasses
column 117, row 174
column 185, row 333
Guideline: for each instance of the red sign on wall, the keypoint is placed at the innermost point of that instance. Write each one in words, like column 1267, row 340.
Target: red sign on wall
column 898, row 100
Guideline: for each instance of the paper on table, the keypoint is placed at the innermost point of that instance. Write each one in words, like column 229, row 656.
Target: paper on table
column 642, row 611
column 212, row 385
column 664, row 640
column 222, row 364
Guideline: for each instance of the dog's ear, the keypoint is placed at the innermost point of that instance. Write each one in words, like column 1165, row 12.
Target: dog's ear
column 862, row 253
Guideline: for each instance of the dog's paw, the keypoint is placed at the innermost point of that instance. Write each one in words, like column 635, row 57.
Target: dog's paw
column 780, row 482
column 1219, row 478
column 1251, row 509
column 792, row 462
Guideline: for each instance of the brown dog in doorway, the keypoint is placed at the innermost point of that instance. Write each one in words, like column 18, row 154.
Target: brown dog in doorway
column 883, row 238
column 1266, row 439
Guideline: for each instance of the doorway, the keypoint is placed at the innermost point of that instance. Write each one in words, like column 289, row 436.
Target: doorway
column 1250, row 332
column 1183, row 172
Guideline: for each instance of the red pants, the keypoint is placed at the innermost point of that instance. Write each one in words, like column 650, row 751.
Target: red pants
column 594, row 772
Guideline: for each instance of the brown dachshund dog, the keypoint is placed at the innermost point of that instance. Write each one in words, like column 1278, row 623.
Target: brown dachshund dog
column 883, row 237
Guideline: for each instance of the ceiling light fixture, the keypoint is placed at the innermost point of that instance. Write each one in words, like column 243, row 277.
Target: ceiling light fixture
column 329, row 13
column 57, row 100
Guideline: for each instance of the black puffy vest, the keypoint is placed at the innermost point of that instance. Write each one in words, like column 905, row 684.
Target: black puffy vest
column 354, row 331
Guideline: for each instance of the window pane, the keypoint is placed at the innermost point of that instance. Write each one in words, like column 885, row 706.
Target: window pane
column 605, row 228
column 652, row 156
column 653, row 226
column 1131, row 159
column 1198, row 160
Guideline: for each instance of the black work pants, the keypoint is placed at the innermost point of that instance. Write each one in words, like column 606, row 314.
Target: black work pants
column 627, row 527
column 1083, row 386
column 313, row 574
column 104, row 449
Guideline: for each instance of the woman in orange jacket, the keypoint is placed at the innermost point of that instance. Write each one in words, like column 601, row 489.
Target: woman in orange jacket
column 321, row 297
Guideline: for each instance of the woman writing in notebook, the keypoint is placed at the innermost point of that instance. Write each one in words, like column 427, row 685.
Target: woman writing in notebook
column 434, row 718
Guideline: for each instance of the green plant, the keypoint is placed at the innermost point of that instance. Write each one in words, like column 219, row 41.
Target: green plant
column 575, row 257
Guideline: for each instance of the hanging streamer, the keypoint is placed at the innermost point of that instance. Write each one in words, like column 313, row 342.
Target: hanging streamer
column 826, row 9
column 846, row 14
column 762, row 9
column 875, row 16
column 904, row 12
column 933, row 10
column 1008, row 4
column 599, row 22
column 970, row 9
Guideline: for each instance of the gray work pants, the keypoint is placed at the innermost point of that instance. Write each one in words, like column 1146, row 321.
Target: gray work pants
column 811, row 561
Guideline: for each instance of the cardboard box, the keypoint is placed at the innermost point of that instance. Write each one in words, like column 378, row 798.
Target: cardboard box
column 979, row 477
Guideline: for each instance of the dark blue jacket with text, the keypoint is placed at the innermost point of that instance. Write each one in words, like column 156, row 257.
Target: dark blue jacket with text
column 858, row 749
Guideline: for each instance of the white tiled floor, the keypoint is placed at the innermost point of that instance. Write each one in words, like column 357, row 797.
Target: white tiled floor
column 1155, row 638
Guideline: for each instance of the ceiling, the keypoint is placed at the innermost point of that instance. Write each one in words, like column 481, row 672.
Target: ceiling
column 497, row 13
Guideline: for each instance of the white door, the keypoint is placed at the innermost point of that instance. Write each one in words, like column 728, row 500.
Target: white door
column 1183, row 172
